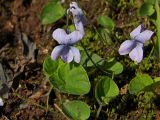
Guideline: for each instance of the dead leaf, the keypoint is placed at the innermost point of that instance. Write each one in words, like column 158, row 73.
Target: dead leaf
column 5, row 80
column 29, row 47
column 124, row 89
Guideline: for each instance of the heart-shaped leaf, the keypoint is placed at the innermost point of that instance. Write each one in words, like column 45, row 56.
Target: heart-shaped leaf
column 50, row 66
column 140, row 83
column 72, row 79
column 51, row 13
column 76, row 110
column 106, row 89
column 146, row 9
column 107, row 22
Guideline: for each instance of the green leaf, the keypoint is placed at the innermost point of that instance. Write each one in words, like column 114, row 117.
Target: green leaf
column 76, row 110
column 106, row 89
column 105, row 35
column 150, row 1
column 86, row 62
column 72, row 79
column 140, row 83
column 157, row 79
column 107, row 22
column 156, row 83
column 51, row 13
column 50, row 66
column 113, row 66
column 146, row 9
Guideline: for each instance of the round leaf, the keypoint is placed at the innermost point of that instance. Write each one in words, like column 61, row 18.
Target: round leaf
column 106, row 89
column 107, row 22
column 146, row 9
column 72, row 79
column 76, row 110
column 51, row 13
column 139, row 83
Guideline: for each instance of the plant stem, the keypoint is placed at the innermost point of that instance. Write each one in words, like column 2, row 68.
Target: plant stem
column 93, row 61
column 150, row 53
column 98, row 111
column 48, row 99
column 99, row 35
column 158, row 29
column 60, row 110
column 112, row 75
column 67, row 20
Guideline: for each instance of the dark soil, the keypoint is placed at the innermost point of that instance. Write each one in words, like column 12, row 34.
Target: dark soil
column 27, row 98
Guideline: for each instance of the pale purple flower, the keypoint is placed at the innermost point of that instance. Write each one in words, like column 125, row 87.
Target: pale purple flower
column 66, row 50
column 66, row 40
column 134, row 47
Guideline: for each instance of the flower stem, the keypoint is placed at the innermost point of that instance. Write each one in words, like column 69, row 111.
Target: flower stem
column 67, row 21
column 60, row 110
column 151, row 53
column 93, row 61
column 98, row 111
column 47, row 104
column 112, row 75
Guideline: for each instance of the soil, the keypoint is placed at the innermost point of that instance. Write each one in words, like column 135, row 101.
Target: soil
column 23, row 73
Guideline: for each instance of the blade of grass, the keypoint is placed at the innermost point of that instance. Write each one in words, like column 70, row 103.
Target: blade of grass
column 158, row 29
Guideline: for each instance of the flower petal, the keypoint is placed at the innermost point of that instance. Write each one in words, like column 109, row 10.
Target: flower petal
column 144, row 36
column 57, row 51
column 76, row 54
column 74, row 37
column 60, row 36
column 82, row 18
column 137, row 53
column 136, row 31
column 77, row 13
column 73, row 4
column 126, row 47
column 67, row 54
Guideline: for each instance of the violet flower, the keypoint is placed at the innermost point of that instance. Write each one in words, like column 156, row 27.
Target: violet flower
column 66, row 40
column 66, row 49
column 134, row 47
